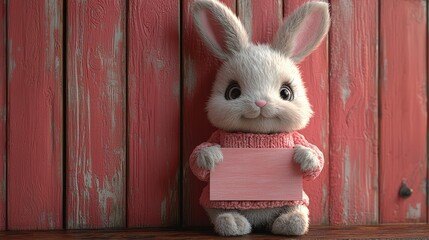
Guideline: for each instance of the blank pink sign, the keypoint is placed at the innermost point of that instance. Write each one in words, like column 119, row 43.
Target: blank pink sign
column 256, row 174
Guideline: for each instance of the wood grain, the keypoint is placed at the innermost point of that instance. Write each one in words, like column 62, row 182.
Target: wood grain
column 256, row 174
column 260, row 18
column 3, row 115
column 405, row 231
column 199, row 70
column 354, row 112
column 154, row 113
column 35, row 114
column 403, row 121
column 314, row 70
column 96, row 111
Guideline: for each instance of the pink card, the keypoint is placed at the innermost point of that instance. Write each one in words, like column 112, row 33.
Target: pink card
column 256, row 174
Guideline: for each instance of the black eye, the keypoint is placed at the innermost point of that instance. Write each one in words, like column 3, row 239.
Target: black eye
column 233, row 91
column 286, row 92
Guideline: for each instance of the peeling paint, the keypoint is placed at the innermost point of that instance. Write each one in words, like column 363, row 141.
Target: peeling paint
column 47, row 218
column 384, row 70
column 154, row 59
column 345, row 87
column 325, row 201
column 190, row 76
column 245, row 14
column 280, row 10
column 176, row 91
column 110, row 194
column 346, row 176
column 324, row 137
column 118, row 38
column 163, row 210
column 424, row 186
column 52, row 15
column 113, row 91
column 414, row 213
column 11, row 62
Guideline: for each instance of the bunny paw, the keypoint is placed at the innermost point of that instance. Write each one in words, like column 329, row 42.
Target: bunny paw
column 232, row 224
column 209, row 157
column 306, row 158
column 292, row 223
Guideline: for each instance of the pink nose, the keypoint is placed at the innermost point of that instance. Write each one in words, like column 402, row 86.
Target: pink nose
column 260, row 103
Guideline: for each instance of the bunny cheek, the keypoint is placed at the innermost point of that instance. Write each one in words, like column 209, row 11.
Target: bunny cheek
column 242, row 115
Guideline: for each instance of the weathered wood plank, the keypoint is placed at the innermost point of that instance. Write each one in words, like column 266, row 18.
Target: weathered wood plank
column 403, row 122
column 314, row 71
column 354, row 112
column 260, row 18
column 96, row 112
column 199, row 69
column 154, row 113
column 3, row 115
column 35, row 119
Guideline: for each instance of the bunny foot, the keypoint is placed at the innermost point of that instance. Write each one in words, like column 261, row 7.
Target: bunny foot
column 292, row 223
column 232, row 224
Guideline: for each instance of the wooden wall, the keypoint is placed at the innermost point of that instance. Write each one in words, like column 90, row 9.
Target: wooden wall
column 102, row 102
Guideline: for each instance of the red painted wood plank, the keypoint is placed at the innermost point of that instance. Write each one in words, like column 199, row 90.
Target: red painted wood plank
column 260, row 18
column 314, row 70
column 3, row 115
column 254, row 174
column 199, row 68
column 354, row 112
column 96, row 114
column 403, row 122
column 35, row 114
column 154, row 113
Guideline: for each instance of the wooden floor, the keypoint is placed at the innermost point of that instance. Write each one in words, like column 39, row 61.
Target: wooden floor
column 407, row 231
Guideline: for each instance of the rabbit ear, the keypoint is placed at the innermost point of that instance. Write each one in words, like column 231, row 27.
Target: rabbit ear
column 220, row 29
column 303, row 31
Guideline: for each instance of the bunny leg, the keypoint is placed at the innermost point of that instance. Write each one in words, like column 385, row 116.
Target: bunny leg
column 293, row 222
column 229, row 222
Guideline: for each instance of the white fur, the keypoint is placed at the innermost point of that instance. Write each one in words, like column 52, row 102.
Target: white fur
column 260, row 71
column 270, row 219
column 285, row 39
column 306, row 158
column 209, row 157
column 235, row 38
column 231, row 224
column 295, row 222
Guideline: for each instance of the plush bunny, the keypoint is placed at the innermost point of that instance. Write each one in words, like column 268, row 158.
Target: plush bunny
column 258, row 101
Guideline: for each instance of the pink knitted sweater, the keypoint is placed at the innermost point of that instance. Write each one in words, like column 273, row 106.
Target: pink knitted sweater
column 249, row 140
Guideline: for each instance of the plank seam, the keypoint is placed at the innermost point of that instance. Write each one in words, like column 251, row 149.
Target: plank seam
column 329, row 124
column 377, row 76
column 181, row 100
column 427, row 108
column 64, row 42
column 6, row 29
column 127, row 111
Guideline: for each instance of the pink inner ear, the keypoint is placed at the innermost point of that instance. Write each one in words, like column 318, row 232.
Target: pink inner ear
column 307, row 32
column 214, row 30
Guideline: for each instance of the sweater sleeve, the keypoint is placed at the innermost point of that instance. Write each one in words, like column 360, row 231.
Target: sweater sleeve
column 310, row 175
column 202, row 174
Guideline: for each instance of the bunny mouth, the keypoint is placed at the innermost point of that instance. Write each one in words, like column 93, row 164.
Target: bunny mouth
column 266, row 113
column 260, row 116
